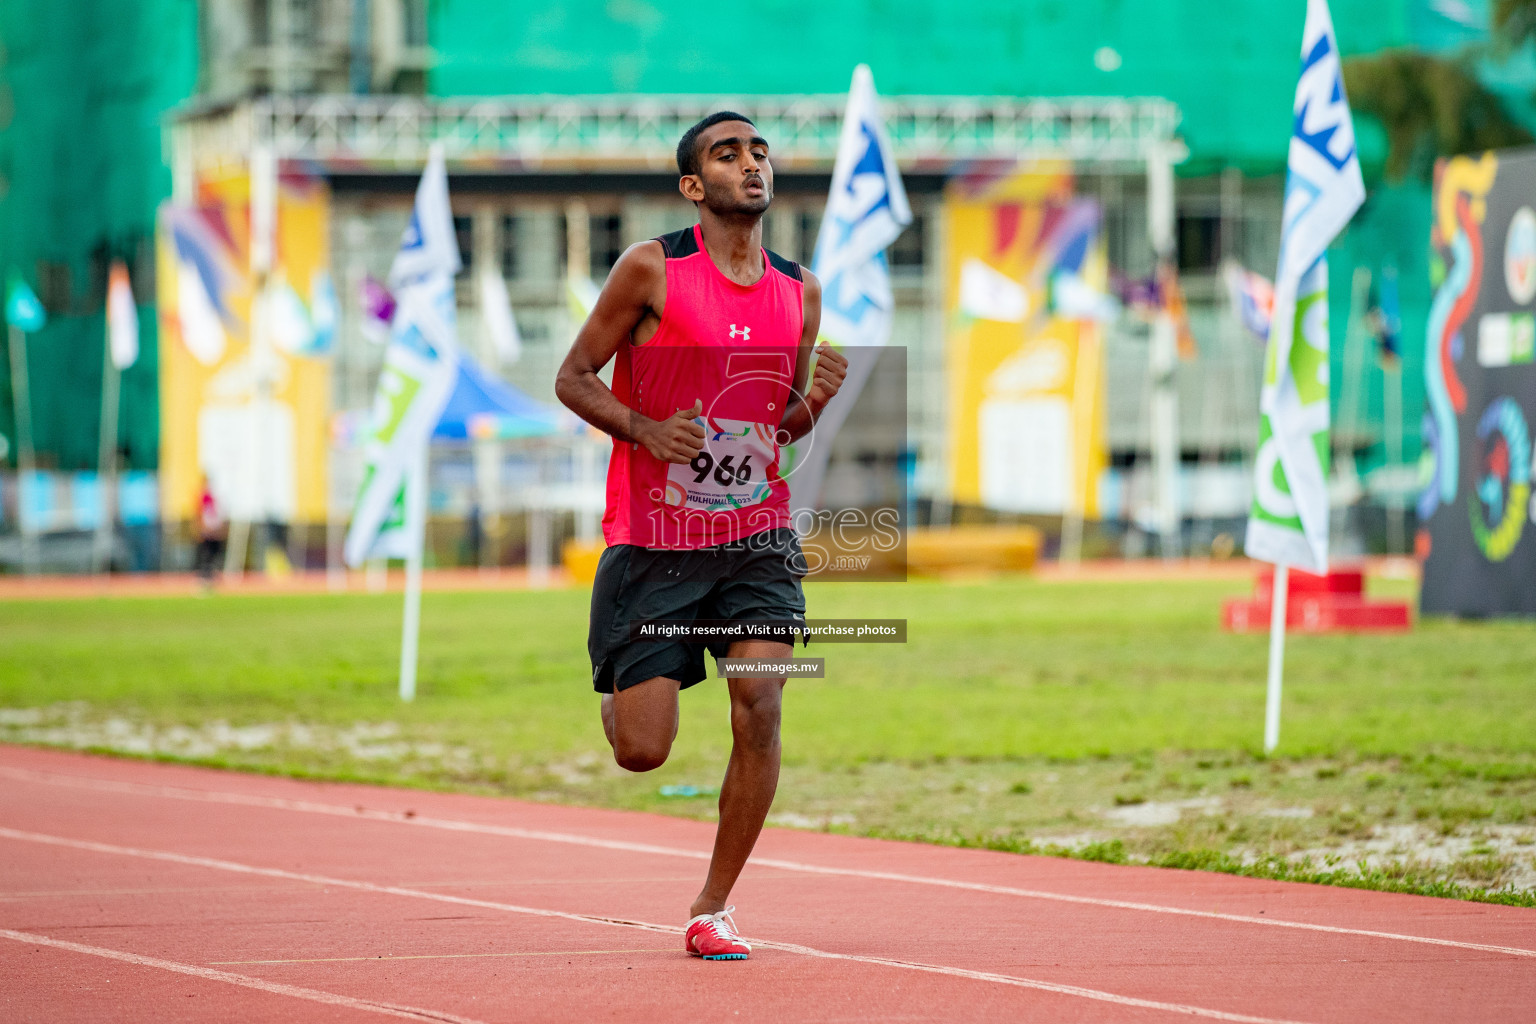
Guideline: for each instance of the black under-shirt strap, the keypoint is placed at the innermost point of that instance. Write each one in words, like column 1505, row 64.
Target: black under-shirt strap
column 678, row 244
column 789, row 268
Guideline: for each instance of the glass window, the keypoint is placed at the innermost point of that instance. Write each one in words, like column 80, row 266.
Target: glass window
column 906, row 253
column 810, row 225
column 1199, row 241
column 606, row 241
column 511, row 224
column 464, row 232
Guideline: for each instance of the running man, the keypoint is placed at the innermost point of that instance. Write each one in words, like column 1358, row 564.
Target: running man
column 710, row 330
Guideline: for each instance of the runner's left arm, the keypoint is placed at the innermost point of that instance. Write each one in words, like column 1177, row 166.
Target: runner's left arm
column 800, row 413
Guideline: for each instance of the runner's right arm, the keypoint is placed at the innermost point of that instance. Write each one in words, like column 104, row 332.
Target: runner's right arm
column 634, row 293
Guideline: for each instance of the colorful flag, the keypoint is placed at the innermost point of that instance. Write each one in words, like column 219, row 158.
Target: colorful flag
column 324, row 312
column 866, row 211
column 297, row 329
column 1067, row 253
column 1172, row 295
column 989, row 294
column 206, row 279
column 22, row 310
column 429, row 248
column 1288, row 523
column 1070, row 238
column 1138, row 295
column 1253, row 299
column 420, row 367
column 122, row 318
column 292, row 330
column 378, row 306
column 1074, row 298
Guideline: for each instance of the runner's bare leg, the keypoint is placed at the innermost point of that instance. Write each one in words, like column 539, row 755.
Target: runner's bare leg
column 641, row 723
column 751, row 777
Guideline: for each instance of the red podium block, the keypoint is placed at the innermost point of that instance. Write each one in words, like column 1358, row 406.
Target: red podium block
column 1349, row 581
column 1334, row 602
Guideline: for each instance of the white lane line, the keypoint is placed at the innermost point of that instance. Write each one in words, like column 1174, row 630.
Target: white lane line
column 444, row 956
column 320, row 880
column 507, row 831
column 209, row 974
column 787, row 947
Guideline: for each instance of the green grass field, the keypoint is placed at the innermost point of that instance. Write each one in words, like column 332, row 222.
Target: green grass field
column 1104, row 719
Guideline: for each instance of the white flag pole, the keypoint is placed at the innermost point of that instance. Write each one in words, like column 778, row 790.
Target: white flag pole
column 1288, row 524
column 1277, row 610
column 26, row 456
column 122, row 350
column 106, row 457
column 420, row 367
column 416, row 530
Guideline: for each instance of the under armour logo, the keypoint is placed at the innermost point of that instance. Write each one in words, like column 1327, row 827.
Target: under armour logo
column 745, row 332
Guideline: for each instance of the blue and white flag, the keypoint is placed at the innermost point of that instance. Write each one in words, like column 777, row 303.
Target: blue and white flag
column 421, row 365
column 866, row 210
column 429, row 248
column 1288, row 523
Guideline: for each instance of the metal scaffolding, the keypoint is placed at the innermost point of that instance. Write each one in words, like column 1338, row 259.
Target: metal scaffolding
column 552, row 134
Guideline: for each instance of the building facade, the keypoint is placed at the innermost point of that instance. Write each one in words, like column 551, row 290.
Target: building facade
column 1229, row 72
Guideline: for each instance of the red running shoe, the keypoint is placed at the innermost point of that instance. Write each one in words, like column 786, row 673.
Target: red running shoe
column 713, row 937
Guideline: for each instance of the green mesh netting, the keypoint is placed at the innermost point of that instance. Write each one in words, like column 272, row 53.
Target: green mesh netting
column 83, row 84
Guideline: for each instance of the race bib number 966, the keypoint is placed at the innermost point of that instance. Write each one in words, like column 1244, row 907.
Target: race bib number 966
column 731, row 471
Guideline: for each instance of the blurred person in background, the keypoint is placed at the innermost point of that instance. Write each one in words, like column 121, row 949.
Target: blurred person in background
column 212, row 533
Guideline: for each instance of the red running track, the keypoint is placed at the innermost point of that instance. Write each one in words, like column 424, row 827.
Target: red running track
column 136, row 891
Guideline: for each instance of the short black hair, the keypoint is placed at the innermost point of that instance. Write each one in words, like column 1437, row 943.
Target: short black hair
column 688, row 145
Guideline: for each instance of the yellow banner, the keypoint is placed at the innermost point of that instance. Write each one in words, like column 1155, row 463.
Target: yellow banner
column 263, row 459
column 1024, row 364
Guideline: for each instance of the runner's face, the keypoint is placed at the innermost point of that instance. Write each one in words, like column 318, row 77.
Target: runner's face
column 734, row 168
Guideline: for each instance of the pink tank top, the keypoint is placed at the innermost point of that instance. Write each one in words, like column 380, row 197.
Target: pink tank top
column 732, row 347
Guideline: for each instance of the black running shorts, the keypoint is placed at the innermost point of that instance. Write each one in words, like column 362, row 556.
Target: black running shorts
column 756, row 579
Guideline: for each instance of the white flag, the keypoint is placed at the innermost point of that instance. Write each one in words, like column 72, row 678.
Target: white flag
column 1288, row 524
column 866, row 211
column 324, row 311
column 429, row 247
column 206, row 276
column 202, row 330
column 288, row 321
column 496, row 315
column 122, row 318
column 989, row 294
column 421, row 365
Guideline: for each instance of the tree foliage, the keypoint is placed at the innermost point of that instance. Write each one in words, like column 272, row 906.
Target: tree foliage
column 1514, row 22
column 1430, row 106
